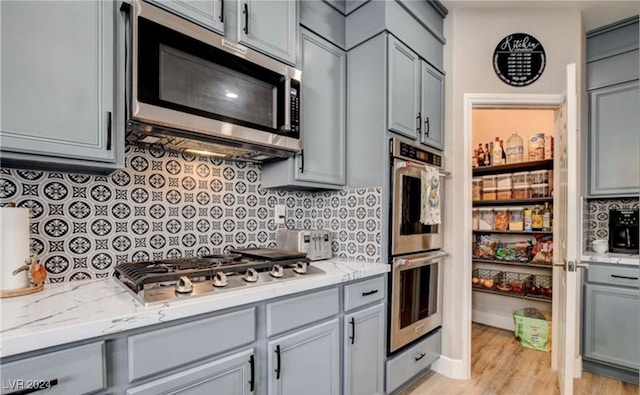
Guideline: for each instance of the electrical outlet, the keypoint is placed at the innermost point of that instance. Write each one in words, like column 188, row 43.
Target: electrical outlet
column 279, row 214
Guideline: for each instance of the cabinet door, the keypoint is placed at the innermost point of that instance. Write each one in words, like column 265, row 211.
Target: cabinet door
column 208, row 13
column 305, row 362
column 57, row 78
column 323, row 112
column 614, row 138
column 432, row 99
column 232, row 375
column 611, row 322
column 269, row 26
column 404, row 89
column 364, row 351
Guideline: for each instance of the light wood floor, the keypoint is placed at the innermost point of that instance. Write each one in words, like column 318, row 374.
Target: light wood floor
column 500, row 365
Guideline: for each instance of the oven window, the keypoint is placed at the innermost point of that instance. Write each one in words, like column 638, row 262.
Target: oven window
column 411, row 205
column 418, row 294
column 180, row 73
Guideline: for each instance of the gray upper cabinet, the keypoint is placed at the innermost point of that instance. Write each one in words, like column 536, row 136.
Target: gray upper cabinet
column 230, row 376
column 404, row 89
column 614, row 137
column 305, row 362
column 364, row 348
column 58, row 85
column 432, row 98
column 208, row 13
column 269, row 26
column 321, row 165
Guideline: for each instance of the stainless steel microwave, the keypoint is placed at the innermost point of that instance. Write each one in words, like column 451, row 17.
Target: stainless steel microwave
column 194, row 90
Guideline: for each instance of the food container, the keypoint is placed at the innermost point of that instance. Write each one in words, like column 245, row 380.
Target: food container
column 484, row 278
column 536, row 147
column 513, row 283
column 521, row 179
column 539, row 177
column 515, row 149
column 486, row 218
column 475, row 219
column 548, row 146
column 521, row 192
column 503, row 193
column 539, row 286
column 477, row 188
column 539, row 190
column 516, row 218
column 489, row 182
column 489, row 194
column 501, row 219
column 504, row 181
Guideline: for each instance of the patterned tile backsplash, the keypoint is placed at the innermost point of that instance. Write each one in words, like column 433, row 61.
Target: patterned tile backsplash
column 169, row 205
column 598, row 216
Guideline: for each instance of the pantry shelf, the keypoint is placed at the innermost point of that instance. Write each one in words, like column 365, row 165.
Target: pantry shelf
column 510, row 263
column 546, row 164
column 528, row 297
column 516, row 232
column 511, row 202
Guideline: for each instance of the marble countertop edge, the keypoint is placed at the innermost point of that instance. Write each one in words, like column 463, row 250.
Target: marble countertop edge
column 621, row 259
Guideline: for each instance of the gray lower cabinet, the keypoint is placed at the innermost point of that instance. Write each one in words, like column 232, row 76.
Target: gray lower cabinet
column 614, row 137
column 208, row 13
column 232, row 375
column 416, row 96
column 364, row 348
column 321, row 165
column 58, row 85
column 305, row 362
column 269, row 26
column 611, row 321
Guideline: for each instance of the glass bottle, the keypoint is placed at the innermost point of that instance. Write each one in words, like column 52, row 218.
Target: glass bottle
column 504, row 154
column 487, row 155
column 480, row 155
column 497, row 153
column 527, row 219
column 474, row 158
column 536, row 218
column 546, row 218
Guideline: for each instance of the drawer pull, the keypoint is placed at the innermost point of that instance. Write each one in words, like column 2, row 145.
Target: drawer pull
column 45, row 385
column 374, row 291
column 624, row 277
column 419, row 357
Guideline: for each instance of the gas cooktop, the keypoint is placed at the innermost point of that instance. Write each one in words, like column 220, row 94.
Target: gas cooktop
column 172, row 279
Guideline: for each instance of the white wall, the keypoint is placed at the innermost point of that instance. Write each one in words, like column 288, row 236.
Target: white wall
column 472, row 35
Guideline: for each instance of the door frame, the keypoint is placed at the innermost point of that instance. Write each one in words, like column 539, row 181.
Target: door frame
column 488, row 100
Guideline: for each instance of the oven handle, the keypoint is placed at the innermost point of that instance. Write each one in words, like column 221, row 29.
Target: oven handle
column 418, row 262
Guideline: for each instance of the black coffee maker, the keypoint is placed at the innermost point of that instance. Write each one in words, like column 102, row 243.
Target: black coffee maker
column 623, row 231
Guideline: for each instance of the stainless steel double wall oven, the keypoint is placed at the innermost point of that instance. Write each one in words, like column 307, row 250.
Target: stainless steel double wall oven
column 415, row 249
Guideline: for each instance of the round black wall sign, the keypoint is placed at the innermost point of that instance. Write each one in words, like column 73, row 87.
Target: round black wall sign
column 519, row 59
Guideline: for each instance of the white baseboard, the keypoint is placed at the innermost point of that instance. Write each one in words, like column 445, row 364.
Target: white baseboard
column 577, row 364
column 495, row 320
column 452, row 368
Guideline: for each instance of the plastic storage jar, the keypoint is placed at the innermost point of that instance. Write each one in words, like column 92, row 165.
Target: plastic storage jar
column 486, row 218
column 540, row 190
column 475, row 219
column 504, row 181
column 488, row 182
column 489, row 194
column 503, row 193
column 521, row 179
column 501, row 219
column 522, row 192
column 539, row 177
column 477, row 189
column 516, row 218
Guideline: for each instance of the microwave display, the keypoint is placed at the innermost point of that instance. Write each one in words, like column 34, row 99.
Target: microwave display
column 181, row 73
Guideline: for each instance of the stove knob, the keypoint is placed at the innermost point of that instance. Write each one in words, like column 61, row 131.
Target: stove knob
column 220, row 280
column 277, row 271
column 251, row 276
column 184, row 285
column 301, row 267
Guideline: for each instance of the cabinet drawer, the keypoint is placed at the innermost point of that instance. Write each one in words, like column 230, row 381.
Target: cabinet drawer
column 78, row 370
column 404, row 366
column 365, row 292
column 613, row 274
column 302, row 310
column 161, row 349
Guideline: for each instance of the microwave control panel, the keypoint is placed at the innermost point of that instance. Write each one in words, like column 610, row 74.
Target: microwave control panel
column 294, row 94
column 415, row 153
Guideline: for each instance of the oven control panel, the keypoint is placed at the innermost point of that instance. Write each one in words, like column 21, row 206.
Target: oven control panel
column 412, row 152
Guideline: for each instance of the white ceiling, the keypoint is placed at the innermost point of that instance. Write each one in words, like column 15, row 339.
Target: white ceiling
column 595, row 13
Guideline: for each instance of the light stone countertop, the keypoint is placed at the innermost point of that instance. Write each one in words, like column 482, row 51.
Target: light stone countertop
column 79, row 310
column 621, row 259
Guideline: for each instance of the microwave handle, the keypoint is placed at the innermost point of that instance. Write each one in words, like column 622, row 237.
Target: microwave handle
column 418, row 262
